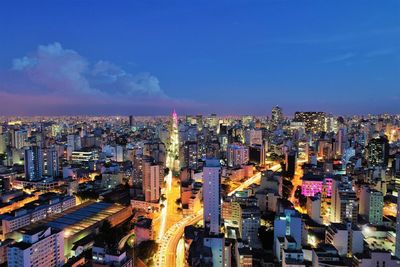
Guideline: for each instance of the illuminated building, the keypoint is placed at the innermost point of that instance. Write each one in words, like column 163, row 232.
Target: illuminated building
column 3, row 143
column 51, row 164
column 288, row 223
column 74, row 141
column 33, row 163
column 253, row 137
column 276, row 117
column 291, row 255
column 19, row 139
column 216, row 243
column 189, row 155
column 151, row 181
column 237, row 155
column 326, row 255
column 314, row 121
column 80, row 221
column 199, row 122
column 347, row 238
column 40, row 246
column 371, row 205
column 33, row 212
column 313, row 207
column 83, row 156
column 211, row 195
column 105, row 256
column 375, row 258
column 250, row 223
column 174, row 140
column 316, row 184
column 378, row 152
column 344, row 203
column 232, row 212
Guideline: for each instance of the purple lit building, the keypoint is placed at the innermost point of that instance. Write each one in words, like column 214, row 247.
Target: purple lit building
column 313, row 184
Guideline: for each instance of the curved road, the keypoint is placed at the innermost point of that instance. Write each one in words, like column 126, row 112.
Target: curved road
column 169, row 242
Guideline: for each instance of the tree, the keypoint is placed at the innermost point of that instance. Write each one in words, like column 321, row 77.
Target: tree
column 107, row 232
column 266, row 237
column 146, row 249
column 166, row 171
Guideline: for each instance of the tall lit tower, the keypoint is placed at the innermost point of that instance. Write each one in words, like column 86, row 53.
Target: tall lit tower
column 211, row 195
column 174, row 140
column 276, row 117
column 33, row 163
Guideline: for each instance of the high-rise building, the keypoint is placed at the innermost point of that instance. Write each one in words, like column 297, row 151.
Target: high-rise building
column 189, row 155
column 51, row 163
column 130, row 121
column 20, row 139
column 250, row 223
column 290, row 162
column 344, row 204
column 314, row 121
column 174, row 140
column 288, row 223
column 3, row 143
column 397, row 250
column 40, row 246
column 371, row 205
column 347, row 238
column 257, row 154
column 217, row 246
column 33, row 163
column 237, row 155
column 211, row 196
column 253, row 137
column 74, row 141
column 378, row 152
column 276, row 117
column 199, row 122
column 151, row 181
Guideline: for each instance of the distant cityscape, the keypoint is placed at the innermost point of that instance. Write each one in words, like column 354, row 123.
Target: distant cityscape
column 303, row 189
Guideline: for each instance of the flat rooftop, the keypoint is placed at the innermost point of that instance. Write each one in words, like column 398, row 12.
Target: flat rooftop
column 83, row 216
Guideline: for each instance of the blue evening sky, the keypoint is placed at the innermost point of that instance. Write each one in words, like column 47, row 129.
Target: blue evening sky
column 228, row 57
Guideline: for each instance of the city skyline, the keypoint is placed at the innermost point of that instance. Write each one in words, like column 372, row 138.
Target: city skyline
column 237, row 58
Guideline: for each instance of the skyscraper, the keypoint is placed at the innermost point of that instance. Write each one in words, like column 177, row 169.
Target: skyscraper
column 344, row 204
column 174, row 140
column 33, row 163
column 130, row 120
column 51, row 162
column 237, row 155
column 211, row 195
column 276, row 117
column 378, row 152
column 19, row 139
column 151, row 181
column 371, row 205
column 314, row 121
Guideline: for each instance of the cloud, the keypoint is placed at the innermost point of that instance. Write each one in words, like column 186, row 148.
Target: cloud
column 57, row 77
column 109, row 78
column 54, row 69
column 340, row 58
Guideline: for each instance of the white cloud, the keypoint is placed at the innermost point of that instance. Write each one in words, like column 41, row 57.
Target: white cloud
column 54, row 69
